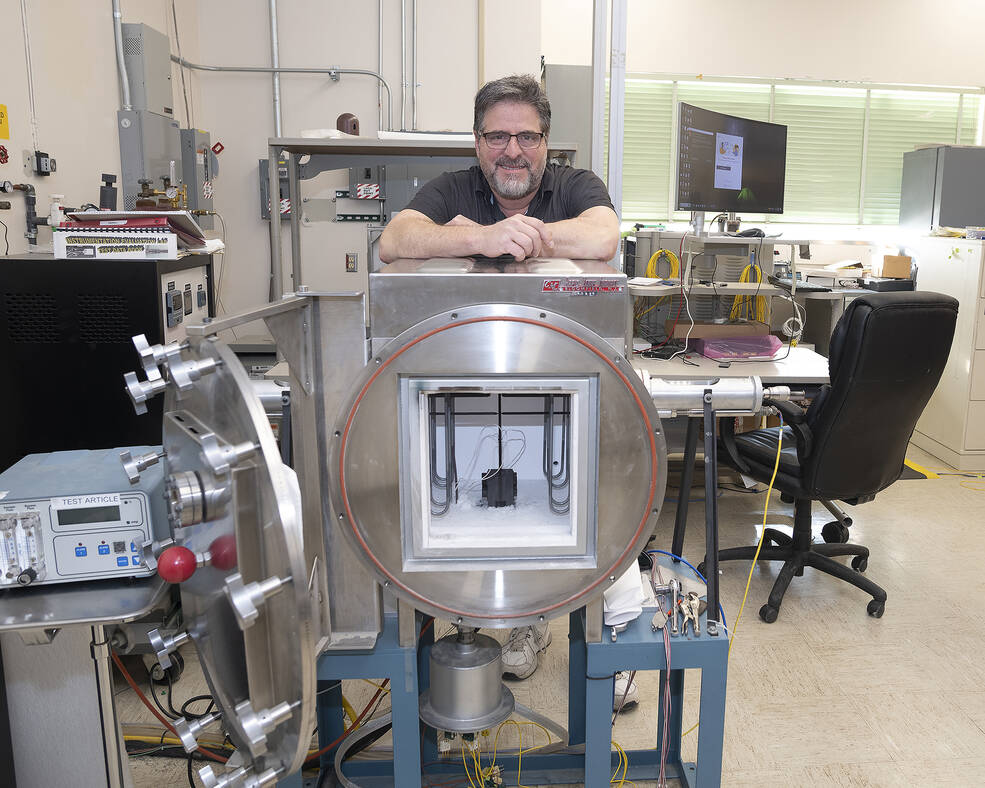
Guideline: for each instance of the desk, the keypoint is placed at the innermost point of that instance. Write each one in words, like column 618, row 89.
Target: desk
column 800, row 366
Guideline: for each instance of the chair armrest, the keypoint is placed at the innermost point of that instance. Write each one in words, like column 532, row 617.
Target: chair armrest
column 795, row 417
column 792, row 414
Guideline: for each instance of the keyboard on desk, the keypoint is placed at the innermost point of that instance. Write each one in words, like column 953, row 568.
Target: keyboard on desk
column 802, row 286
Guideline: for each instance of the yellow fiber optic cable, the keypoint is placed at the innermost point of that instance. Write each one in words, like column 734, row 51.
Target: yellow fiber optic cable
column 743, row 306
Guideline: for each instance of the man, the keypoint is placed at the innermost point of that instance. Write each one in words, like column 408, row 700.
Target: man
column 512, row 203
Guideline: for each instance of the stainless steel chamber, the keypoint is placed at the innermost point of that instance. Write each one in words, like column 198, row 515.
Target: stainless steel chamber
column 484, row 453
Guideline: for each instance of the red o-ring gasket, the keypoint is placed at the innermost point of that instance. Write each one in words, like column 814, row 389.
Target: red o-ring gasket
column 530, row 321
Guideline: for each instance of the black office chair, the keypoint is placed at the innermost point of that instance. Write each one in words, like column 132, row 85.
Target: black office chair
column 887, row 354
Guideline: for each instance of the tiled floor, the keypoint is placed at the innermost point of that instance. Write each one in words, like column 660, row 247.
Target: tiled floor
column 827, row 695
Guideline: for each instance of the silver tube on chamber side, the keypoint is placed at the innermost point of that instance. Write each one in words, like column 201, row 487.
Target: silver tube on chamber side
column 729, row 396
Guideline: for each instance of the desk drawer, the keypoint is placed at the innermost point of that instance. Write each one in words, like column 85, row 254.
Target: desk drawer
column 978, row 375
column 980, row 333
column 975, row 429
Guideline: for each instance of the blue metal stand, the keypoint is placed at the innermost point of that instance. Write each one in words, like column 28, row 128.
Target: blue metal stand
column 591, row 670
column 639, row 648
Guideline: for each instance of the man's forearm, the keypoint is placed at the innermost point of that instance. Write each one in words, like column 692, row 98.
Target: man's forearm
column 419, row 238
column 585, row 238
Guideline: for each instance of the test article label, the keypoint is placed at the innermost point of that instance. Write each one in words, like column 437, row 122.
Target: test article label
column 4, row 123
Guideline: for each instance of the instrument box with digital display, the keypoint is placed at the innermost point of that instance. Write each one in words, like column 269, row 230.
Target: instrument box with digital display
column 72, row 516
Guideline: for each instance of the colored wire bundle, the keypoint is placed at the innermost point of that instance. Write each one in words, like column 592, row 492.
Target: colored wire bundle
column 642, row 306
column 749, row 307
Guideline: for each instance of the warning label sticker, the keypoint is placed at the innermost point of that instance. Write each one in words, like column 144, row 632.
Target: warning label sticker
column 582, row 286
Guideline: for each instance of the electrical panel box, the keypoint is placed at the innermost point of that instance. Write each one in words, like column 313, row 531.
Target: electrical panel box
column 198, row 170
column 150, row 149
column 570, row 91
column 185, row 300
column 285, row 202
column 147, row 56
column 66, row 329
column 942, row 187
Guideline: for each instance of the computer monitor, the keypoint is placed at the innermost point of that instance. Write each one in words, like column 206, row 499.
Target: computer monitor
column 729, row 164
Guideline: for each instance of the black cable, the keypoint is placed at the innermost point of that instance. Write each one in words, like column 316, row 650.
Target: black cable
column 153, row 694
column 170, row 696
column 174, row 751
column 192, row 715
column 5, row 241
column 191, row 779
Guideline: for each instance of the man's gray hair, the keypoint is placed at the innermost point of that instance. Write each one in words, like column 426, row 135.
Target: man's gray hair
column 517, row 89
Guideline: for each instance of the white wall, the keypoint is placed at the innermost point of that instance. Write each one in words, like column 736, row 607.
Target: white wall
column 77, row 94
column 899, row 41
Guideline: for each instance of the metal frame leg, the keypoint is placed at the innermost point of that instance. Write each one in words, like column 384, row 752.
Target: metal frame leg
column 687, row 476
column 329, row 715
column 404, row 703
column 711, row 733
column 577, row 671
column 711, row 510
column 598, row 729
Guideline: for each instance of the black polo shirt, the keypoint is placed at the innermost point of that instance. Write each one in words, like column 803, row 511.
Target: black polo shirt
column 564, row 193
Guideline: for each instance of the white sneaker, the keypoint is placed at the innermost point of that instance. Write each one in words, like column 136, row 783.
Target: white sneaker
column 520, row 652
column 632, row 694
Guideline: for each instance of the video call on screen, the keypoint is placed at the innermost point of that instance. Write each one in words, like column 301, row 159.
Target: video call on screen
column 729, row 164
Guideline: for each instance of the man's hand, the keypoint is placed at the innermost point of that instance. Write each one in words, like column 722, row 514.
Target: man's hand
column 518, row 235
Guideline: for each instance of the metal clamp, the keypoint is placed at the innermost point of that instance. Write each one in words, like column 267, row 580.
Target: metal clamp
column 141, row 392
column 163, row 646
column 241, row 778
column 211, row 780
column 186, row 373
column 247, row 598
column 188, row 730
column 258, row 725
column 221, row 457
column 153, row 356
column 151, row 549
column 133, row 466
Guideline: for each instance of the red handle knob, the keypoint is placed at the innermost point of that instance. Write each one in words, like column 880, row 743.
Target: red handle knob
column 176, row 564
column 223, row 552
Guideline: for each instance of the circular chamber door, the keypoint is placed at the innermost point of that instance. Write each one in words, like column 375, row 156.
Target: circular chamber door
column 235, row 514
column 498, row 465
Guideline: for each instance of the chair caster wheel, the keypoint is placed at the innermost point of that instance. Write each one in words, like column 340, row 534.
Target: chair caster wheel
column 835, row 532
column 860, row 563
column 769, row 613
column 701, row 569
column 876, row 608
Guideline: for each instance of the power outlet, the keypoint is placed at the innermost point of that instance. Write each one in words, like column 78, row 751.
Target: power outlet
column 39, row 162
column 351, row 262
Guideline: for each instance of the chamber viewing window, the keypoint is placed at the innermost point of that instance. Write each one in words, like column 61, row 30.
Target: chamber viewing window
column 501, row 470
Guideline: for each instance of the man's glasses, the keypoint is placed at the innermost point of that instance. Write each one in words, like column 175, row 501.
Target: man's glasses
column 498, row 140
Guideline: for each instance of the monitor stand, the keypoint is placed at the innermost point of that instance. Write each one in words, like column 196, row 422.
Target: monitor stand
column 698, row 222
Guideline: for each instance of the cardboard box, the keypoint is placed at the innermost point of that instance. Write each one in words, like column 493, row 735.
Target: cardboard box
column 896, row 266
column 701, row 330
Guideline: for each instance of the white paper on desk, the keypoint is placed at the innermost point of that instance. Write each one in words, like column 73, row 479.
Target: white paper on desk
column 623, row 600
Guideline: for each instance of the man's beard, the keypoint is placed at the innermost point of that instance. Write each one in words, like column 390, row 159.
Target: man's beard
column 514, row 186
